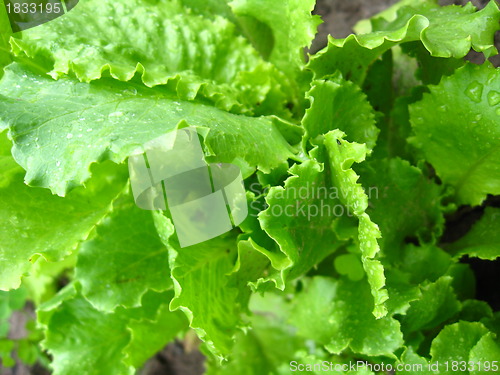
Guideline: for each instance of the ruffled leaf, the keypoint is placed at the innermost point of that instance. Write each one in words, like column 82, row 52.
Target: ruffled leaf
column 61, row 127
column 483, row 240
column 437, row 304
column 444, row 31
column 340, row 104
column 82, row 339
column 164, row 42
column 291, row 25
column 207, row 288
column 394, row 184
column 342, row 155
column 338, row 314
column 299, row 218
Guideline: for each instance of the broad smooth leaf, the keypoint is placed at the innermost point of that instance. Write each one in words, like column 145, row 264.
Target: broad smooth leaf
column 461, row 342
column 456, row 127
column 34, row 223
column 61, row 127
column 123, row 260
column 5, row 32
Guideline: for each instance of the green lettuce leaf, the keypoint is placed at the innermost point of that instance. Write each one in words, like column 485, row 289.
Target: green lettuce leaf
column 340, row 104
column 8, row 165
column 393, row 184
column 266, row 346
column 437, row 303
column 126, row 244
column 34, row 223
column 323, row 191
column 395, row 128
column 6, row 348
column 299, row 218
column 436, row 37
column 5, row 32
column 291, row 24
column 207, row 288
column 380, row 86
column 388, row 82
column 464, row 341
column 342, row 155
column 163, row 42
column 414, row 364
column 424, row 263
column 150, row 334
column 456, row 127
column 464, row 280
column 250, row 268
column 474, row 310
column 402, row 292
column 483, row 240
column 486, row 352
column 272, row 346
column 44, row 277
column 338, row 314
column 431, row 69
column 61, row 127
column 444, row 31
column 82, row 339
column 210, row 8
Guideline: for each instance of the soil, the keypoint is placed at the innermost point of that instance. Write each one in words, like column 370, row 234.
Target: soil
column 339, row 17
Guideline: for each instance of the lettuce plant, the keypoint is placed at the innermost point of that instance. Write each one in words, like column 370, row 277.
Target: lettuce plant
column 357, row 162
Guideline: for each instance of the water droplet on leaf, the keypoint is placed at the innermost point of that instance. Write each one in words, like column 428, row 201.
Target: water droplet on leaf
column 475, row 91
column 493, row 98
column 130, row 91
